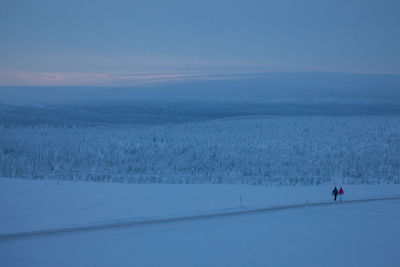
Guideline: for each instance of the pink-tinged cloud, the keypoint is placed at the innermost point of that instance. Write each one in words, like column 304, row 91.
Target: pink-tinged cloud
column 105, row 79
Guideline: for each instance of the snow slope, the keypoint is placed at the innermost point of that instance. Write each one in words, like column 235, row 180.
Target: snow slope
column 362, row 234
column 31, row 205
column 341, row 235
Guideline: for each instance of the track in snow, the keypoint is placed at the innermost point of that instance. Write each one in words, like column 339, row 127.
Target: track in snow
column 39, row 233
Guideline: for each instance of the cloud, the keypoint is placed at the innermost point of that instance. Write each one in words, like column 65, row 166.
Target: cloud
column 107, row 79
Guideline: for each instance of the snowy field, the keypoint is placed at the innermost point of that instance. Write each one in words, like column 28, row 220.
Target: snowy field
column 354, row 234
column 28, row 205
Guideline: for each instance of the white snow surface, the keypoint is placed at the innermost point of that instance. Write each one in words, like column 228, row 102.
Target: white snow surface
column 30, row 205
column 362, row 234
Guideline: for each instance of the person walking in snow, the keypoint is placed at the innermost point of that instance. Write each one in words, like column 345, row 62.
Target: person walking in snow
column 335, row 192
column 341, row 193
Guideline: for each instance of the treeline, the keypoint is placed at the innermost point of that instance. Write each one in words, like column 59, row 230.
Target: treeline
column 264, row 150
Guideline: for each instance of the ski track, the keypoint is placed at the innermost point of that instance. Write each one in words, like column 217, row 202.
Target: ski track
column 76, row 229
column 98, row 203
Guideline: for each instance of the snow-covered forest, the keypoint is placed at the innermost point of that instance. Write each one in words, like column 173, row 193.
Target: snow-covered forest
column 252, row 150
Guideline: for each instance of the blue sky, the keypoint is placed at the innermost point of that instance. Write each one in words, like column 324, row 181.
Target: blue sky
column 135, row 42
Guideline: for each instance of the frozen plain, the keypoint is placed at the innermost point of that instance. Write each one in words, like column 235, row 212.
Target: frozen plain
column 359, row 234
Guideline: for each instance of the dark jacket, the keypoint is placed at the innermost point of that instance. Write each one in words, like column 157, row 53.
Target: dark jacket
column 335, row 191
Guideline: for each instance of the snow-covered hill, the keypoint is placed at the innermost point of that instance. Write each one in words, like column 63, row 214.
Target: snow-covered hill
column 361, row 234
column 31, row 205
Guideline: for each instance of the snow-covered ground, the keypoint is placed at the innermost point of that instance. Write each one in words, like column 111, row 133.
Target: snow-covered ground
column 343, row 235
column 29, row 205
column 360, row 234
